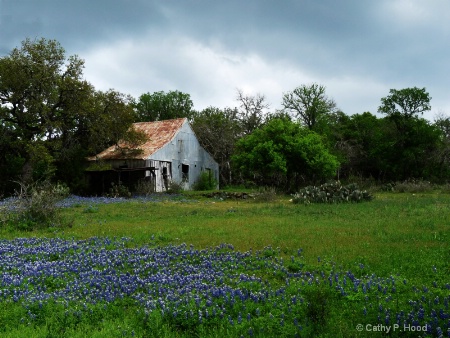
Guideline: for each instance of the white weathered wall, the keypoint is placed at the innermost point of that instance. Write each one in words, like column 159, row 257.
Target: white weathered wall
column 161, row 184
column 185, row 149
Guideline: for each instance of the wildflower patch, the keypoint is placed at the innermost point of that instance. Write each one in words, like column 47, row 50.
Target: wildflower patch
column 201, row 291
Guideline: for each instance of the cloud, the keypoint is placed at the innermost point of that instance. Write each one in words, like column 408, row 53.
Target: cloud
column 357, row 49
column 210, row 75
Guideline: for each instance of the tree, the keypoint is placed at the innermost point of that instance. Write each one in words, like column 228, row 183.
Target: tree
column 111, row 117
column 360, row 142
column 405, row 103
column 41, row 94
column 107, row 120
column 413, row 139
column 218, row 131
column 442, row 154
column 283, row 152
column 309, row 104
column 163, row 106
column 252, row 113
column 442, row 121
column 373, row 147
column 51, row 118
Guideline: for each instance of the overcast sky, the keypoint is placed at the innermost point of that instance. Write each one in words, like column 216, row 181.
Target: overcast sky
column 357, row 49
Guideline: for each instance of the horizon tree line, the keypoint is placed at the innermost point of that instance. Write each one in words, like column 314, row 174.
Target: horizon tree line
column 51, row 119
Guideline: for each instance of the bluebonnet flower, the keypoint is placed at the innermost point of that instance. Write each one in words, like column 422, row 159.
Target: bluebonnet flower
column 179, row 281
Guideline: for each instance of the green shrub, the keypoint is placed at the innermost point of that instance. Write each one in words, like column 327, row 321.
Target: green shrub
column 144, row 187
column 332, row 192
column 388, row 187
column 118, row 190
column 36, row 205
column 205, row 182
column 318, row 301
column 409, row 186
column 90, row 209
column 175, row 188
column 413, row 186
column 445, row 188
column 266, row 194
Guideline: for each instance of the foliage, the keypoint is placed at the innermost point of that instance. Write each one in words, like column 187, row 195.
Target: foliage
column 42, row 94
column 217, row 131
column 110, row 122
column 309, row 104
column 144, row 187
column 283, row 152
column 205, row 182
column 118, row 190
column 409, row 186
column 51, row 118
column 442, row 121
column 405, row 103
column 163, row 106
column 252, row 111
column 441, row 155
column 175, row 188
column 35, row 206
column 413, row 140
column 331, row 192
column 99, row 166
column 355, row 141
column 413, row 149
column 266, row 194
column 374, row 147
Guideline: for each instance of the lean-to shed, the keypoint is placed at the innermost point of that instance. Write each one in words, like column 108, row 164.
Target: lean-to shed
column 171, row 153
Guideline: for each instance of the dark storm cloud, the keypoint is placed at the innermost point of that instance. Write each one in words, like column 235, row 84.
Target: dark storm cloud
column 359, row 49
column 76, row 24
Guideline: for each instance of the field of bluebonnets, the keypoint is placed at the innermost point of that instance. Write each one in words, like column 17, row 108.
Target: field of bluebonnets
column 144, row 268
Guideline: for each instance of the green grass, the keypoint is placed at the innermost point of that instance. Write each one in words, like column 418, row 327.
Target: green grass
column 405, row 235
column 395, row 233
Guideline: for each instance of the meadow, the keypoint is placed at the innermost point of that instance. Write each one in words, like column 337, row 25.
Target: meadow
column 190, row 266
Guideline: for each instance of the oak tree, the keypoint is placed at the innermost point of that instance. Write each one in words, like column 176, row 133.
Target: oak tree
column 309, row 104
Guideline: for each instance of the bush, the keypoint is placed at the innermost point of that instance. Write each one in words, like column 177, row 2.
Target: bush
column 445, row 188
column 266, row 194
column 35, row 205
column 144, row 187
column 408, row 186
column 205, row 182
column 332, row 192
column 413, row 186
column 175, row 188
column 118, row 190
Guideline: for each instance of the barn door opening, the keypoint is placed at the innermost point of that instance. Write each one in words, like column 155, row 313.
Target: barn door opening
column 185, row 173
column 165, row 177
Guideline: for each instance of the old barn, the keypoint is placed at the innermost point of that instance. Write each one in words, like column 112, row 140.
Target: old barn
column 171, row 153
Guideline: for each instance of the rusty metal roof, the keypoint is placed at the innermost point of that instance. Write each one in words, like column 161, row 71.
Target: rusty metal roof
column 159, row 133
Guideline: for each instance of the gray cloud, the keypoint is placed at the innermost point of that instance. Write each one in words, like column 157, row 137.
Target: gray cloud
column 358, row 49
